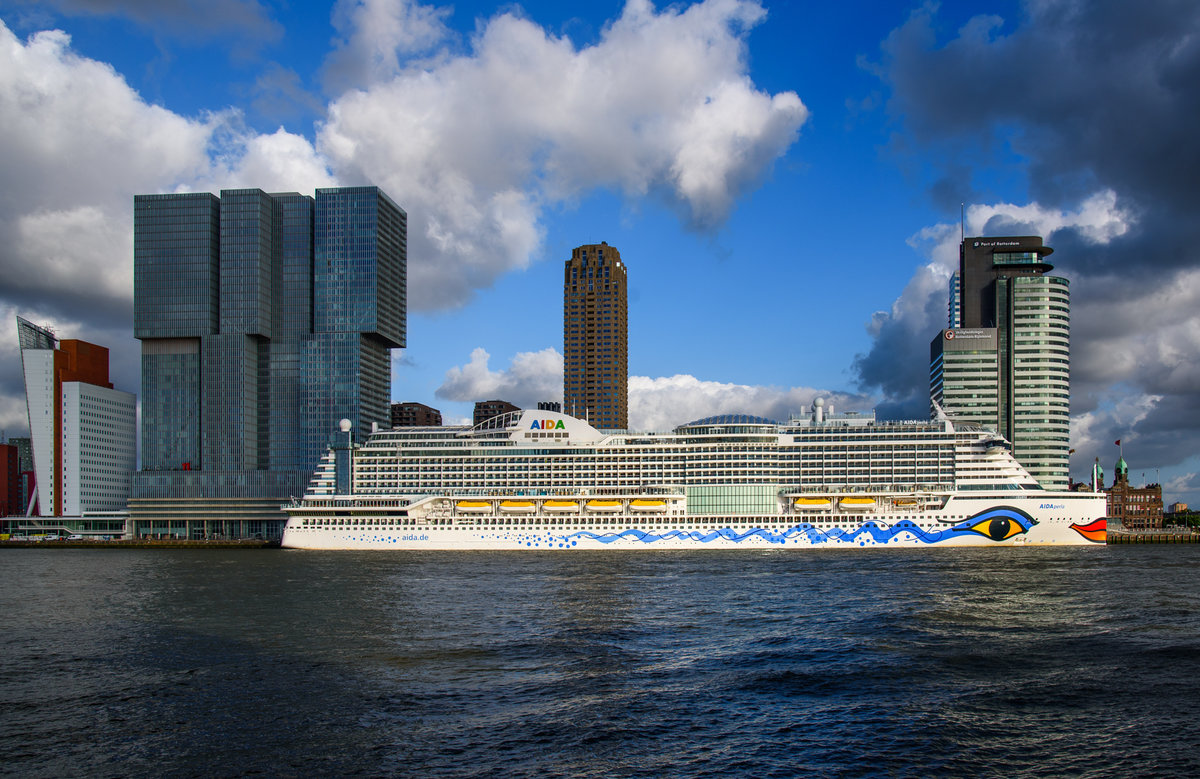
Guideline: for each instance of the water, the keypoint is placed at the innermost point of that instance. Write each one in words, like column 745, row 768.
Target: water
column 949, row 662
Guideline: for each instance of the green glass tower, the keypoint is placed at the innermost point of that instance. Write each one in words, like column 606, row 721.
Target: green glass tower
column 1005, row 361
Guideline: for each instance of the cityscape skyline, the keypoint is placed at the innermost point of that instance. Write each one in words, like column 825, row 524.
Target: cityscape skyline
column 792, row 192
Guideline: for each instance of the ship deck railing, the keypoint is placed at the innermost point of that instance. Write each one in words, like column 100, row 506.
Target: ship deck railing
column 409, row 497
column 874, row 490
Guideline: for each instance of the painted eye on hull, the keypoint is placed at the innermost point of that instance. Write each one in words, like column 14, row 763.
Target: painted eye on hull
column 999, row 524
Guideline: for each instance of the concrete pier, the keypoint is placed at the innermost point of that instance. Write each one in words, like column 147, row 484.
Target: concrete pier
column 145, row 543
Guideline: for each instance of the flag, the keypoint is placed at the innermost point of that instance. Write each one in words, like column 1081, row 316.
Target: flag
column 1118, row 442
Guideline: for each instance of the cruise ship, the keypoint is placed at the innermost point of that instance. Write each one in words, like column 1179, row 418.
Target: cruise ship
column 540, row 480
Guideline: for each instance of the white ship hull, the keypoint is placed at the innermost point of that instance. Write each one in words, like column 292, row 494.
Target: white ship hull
column 1051, row 519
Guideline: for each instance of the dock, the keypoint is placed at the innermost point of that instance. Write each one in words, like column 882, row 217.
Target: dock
column 1153, row 537
column 142, row 543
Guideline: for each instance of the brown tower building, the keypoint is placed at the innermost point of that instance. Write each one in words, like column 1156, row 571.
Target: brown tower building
column 596, row 337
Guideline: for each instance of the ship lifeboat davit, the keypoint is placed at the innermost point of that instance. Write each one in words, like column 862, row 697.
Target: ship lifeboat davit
column 811, row 504
column 857, row 504
column 517, row 506
column 474, row 507
column 560, row 506
column 642, row 504
column 607, row 506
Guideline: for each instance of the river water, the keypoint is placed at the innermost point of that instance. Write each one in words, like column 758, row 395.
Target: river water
column 948, row 662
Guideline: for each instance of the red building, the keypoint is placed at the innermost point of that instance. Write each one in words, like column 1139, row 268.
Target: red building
column 10, row 481
column 1137, row 508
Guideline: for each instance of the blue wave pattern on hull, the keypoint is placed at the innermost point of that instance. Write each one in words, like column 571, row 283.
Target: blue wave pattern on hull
column 999, row 523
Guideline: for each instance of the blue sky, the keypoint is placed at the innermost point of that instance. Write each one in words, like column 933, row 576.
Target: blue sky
column 783, row 180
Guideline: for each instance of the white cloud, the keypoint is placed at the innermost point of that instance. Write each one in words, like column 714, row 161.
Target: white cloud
column 279, row 162
column 1149, row 337
column 664, row 403
column 376, row 36
column 79, row 143
column 1098, row 219
column 1120, row 410
column 654, row 403
column 82, row 143
column 533, row 377
column 74, row 248
column 475, row 146
column 74, row 131
column 1182, row 483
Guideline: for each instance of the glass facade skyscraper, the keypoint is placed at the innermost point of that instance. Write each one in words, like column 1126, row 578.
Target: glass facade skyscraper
column 264, row 319
column 1005, row 361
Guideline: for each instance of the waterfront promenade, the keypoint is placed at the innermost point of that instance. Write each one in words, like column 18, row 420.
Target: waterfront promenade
column 140, row 543
column 1153, row 537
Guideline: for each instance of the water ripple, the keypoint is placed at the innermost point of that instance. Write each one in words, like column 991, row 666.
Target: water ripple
column 955, row 662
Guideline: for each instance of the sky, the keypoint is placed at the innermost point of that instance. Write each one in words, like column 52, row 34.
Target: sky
column 786, row 184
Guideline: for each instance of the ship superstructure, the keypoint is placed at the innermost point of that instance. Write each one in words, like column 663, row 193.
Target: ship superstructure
column 544, row 480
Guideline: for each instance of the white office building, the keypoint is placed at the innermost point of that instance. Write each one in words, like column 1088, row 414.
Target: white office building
column 83, row 431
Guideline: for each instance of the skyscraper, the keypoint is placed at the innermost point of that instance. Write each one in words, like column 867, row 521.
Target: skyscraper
column 83, row 431
column 596, row 337
column 264, row 319
column 1006, row 365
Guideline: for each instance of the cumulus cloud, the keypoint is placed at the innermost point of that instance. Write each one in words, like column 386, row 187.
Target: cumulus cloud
column 533, row 377
column 377, row 37
column 1183, row 483
column 278, row 162
column 81, row 143
column 666, row 402
column 476, row 145
column 474, row 141
column 654, row 403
